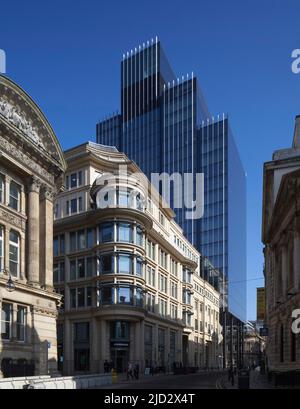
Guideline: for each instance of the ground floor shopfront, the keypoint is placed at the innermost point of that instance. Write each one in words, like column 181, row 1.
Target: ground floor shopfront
column 93, row 345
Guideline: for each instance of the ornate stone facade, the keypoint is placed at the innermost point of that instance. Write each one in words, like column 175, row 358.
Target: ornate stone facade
column 281, row 237
column 31, row 165
column 132, row 283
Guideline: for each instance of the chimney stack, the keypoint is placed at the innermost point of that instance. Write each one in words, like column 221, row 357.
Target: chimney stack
column 296, row 140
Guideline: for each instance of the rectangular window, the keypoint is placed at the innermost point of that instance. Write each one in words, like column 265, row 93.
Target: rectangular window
column 107, row 264
column 80, row 178
column 14, row 196
column 124, row 232
column 139, row 236
column 124, row 264
column 6, row 320
column 1, row 248
column 73, row 206
column 81, row 239
column 106, row 232
column 80, row 297
column 73, row 178
column 73, row 244
column 62, row 244
column 90, row 267
column 73, row 298
column 73, row 270
column 81, row 268
column 67, row 207
column 1, row 188
column 80, row 202
column 90, row 238
column 89, row 296
column 21, row 323
column 14, row 253
column 124, row 295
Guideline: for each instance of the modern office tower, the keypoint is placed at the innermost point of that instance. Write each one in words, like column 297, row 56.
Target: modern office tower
column 132, row 282
column 165, row 126
column 31, row 173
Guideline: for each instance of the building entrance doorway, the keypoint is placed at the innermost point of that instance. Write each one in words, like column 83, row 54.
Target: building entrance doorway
column 120, row 358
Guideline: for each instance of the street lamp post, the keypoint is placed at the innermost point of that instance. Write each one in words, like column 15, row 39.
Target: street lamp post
column 10, row 285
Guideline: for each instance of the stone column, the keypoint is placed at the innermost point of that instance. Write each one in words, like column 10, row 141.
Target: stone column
column 284, row 271
column 137, row 342
column 34, row 231
column 68, row 348
column 297, row 260
column 142, row 345
column 103, row 341
column 46, row 238
column 95, row 367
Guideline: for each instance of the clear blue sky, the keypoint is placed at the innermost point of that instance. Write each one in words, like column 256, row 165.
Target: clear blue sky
column 66, row 55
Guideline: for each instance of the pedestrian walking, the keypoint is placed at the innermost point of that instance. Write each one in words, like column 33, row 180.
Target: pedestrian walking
column 231, row 375
column 136, row 371
column 106, row 366
column 129, row 371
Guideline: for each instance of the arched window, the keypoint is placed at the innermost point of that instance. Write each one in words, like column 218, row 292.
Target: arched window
column 14, row 196
column 14, row 253
column 1, row 248
column 1, row 188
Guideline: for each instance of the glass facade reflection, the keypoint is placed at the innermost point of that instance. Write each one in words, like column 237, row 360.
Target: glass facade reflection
column 223, row 226
column 165, row 126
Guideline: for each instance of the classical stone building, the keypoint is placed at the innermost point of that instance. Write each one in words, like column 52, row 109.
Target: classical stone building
column 131, row 282
column 31, row 168
column 254, row 346
column 281, row 237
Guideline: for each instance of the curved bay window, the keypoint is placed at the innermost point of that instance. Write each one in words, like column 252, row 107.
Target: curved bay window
column 125, row 264
column 121, row 263
column 186, row 275
column 126, row 232
column 14, row 253
column 107, row 264
column 121, row 294
column 107, row 294
column 125, row 295
column 106, row 231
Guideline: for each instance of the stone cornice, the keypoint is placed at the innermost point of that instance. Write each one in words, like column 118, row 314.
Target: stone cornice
column 20, row 156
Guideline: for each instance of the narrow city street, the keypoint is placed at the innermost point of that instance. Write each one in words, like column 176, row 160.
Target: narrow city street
column 200, row 380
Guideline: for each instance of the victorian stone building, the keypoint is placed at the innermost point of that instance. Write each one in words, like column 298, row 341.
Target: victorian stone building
column 132, row 284
column 31, row 168
column 281, row 237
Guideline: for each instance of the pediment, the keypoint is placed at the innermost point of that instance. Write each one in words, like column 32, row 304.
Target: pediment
column 21, row 113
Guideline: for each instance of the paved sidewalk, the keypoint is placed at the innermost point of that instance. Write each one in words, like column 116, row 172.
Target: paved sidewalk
column 257, row 381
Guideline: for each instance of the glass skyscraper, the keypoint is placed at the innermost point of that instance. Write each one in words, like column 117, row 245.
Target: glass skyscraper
column 165, row 126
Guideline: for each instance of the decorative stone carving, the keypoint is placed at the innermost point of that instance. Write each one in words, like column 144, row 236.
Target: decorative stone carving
column 47, row 193
column 18, row 119
column 11, row 218
column 20, row 156
column 35, row 184
column 44, row 311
